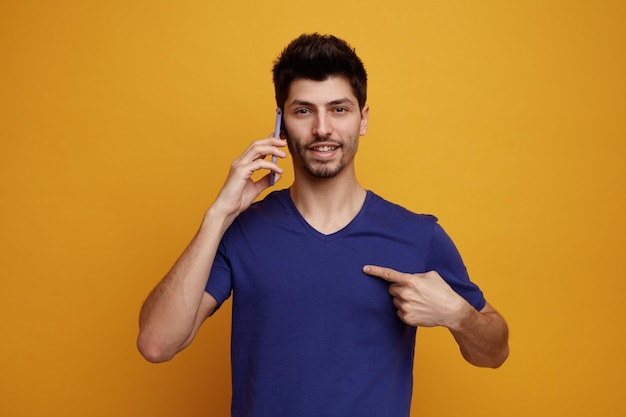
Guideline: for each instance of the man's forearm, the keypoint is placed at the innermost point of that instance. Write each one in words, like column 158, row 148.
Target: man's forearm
column 483, row 337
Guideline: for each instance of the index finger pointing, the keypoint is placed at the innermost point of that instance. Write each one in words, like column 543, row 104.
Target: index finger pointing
column 387, row 274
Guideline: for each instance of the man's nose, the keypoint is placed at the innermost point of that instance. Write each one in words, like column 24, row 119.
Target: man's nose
column 323, row 126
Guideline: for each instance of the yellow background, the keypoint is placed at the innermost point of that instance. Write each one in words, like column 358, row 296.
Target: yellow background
column 119, row 120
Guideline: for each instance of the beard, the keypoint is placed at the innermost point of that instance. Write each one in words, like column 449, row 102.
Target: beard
column 321, row 169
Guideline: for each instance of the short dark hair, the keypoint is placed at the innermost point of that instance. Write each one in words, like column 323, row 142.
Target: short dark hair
column 318, row 57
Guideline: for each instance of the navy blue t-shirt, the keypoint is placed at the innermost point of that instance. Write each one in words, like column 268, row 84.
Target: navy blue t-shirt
column 312, row 335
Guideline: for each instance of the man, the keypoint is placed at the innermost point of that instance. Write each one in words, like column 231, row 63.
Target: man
column 329, row 281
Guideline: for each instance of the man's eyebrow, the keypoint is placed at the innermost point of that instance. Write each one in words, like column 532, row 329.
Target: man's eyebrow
column 297, row 102
column 344, row 100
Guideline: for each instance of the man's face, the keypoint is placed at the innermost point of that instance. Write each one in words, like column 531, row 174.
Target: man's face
column 323, row 123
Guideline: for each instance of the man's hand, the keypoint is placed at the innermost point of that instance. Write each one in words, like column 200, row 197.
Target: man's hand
column 239, row 191
column 423, row 299
column 427, row 300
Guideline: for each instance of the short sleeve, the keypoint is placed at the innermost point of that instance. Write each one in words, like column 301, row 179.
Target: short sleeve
column 219, row 284
column 444, row 258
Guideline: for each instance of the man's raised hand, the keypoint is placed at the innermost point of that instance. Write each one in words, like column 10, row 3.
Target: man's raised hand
column 239, row 190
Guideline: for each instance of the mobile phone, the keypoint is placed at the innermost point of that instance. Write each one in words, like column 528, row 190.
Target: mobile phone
column 279, row 117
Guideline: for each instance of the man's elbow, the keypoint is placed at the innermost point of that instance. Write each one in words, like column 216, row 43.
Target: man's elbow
column 498, row 361
column 152, row 351
column 493, row 361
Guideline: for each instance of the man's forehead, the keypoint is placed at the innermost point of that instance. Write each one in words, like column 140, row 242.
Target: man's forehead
column 332, row 90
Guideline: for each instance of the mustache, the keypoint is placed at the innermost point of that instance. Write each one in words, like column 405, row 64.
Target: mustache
column 318, row 139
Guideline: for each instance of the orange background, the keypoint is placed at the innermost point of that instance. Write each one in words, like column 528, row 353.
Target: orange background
column 119, row 120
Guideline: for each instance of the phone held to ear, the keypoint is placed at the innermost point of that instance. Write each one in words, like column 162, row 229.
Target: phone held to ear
column 279, row 116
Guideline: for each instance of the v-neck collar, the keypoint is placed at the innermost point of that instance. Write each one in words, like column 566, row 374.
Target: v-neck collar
column 331, row 236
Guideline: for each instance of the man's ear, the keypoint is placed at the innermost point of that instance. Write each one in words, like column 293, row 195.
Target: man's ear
column 364, row 119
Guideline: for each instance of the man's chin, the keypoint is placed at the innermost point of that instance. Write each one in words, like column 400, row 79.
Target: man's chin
column 324, row 171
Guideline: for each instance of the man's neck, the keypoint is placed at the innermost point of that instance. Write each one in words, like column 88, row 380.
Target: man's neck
column 328, row 205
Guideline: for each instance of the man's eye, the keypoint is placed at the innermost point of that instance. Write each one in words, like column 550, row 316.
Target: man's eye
column 302, row 111
column 340, row 110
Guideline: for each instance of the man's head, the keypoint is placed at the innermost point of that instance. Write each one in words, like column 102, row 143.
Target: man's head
column 317, row 57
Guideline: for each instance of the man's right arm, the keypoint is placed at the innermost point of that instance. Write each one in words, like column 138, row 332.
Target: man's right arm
column 173, row 312
column 175, row 309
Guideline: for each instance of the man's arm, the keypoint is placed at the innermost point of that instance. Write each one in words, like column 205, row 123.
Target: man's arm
column 427, row 300
column 482, row 336
column 173, row 312
column 177, row 306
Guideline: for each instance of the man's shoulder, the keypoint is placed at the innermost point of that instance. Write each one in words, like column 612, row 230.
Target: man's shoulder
column 382, row 206
column 273, row 200
column 273, row 207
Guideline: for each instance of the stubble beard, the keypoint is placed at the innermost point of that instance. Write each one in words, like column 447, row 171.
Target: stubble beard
column 318, row 168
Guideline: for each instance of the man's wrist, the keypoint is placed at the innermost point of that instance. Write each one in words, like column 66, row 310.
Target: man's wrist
column 464, row 317
column 214, row 218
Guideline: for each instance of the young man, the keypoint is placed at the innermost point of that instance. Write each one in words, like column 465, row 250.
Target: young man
column 329, row 281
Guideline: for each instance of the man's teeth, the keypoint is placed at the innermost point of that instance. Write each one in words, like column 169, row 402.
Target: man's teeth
column 325, row 148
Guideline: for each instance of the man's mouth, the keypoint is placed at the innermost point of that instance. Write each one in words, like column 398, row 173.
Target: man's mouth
column 324, row 148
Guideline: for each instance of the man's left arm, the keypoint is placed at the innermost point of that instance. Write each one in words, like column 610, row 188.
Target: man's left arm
column 427, row 300
column 482, row 336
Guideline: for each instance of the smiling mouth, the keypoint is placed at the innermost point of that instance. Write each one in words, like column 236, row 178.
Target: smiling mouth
column 324, row 148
